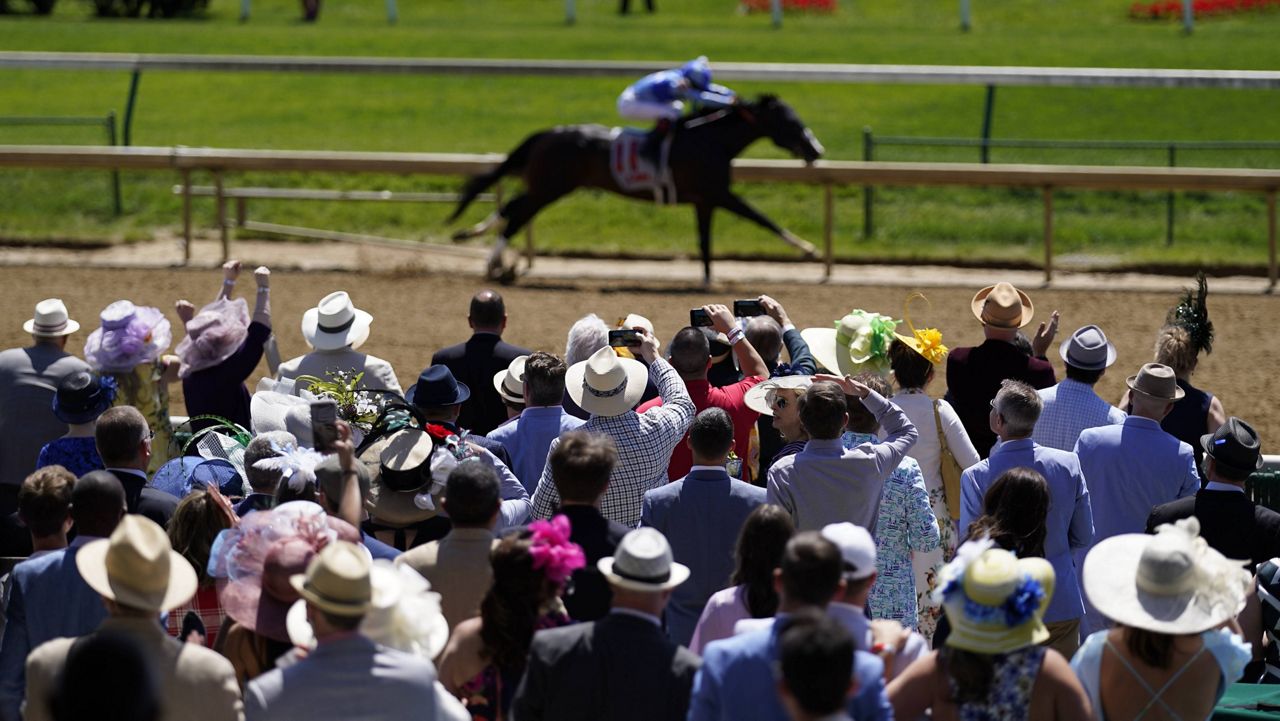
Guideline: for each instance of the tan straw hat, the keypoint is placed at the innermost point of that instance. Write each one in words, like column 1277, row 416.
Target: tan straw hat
column 50, row 320
column 509, row 382
column 1157, row 381
column 1003, row 306
column 337, row 580
column 136, row 567
column 606, row 385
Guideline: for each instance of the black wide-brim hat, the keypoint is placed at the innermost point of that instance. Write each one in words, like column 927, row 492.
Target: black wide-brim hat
column 83, row 396
column 1234, row 446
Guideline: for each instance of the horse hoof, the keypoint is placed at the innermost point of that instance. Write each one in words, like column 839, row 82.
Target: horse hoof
column 460, row 235
column 507, row 275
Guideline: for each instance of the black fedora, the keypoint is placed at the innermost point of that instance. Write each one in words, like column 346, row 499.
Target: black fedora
column 83, row 396
column 1234, row 446
column 437, row 387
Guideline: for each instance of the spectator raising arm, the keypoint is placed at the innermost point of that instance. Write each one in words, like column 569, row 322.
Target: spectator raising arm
column 900, row 434
column 749, row 361
column 801, row 360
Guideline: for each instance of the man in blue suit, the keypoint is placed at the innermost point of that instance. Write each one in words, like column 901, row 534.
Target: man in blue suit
column 49, row 598
column 701, row 515
column 737, row 677
column 1069, row 524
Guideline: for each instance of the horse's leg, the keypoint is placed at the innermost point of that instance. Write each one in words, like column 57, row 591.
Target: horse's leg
column 740, row 208
column 704, row 211
column 518, row 213
column 480, row 228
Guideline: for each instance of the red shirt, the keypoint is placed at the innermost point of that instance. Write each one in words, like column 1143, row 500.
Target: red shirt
column 705, row 396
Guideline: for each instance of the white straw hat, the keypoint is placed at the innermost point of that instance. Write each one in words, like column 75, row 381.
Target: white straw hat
column 335, row 323
column 605, row 384
column 643, row 562
column 509, row 382
column 50, row 320
column 759, row 397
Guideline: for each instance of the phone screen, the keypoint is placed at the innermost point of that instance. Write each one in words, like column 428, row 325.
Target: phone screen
column 324, row 425
column 625, row 338
column 699, row 318
column 747, row 308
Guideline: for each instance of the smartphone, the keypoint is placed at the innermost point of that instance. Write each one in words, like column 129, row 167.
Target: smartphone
column 747, row 308
column 324, row 424
column 625, row 338
column 698, row 318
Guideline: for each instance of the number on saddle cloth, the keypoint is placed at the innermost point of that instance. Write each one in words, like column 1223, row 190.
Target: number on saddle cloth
column 635, row 173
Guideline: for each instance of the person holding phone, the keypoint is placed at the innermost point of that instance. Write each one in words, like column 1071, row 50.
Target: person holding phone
column 690, row 355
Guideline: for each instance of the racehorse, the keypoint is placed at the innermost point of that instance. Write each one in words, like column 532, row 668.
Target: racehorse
column 554, row 163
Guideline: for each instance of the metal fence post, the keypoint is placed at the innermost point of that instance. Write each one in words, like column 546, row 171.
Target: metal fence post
column 776, row 12
column 130, row 104
column 570, row 13
column 868, row 192
column 1048, row 235
column 115, row 173
column 1188, row 16
column 964, row 16
column 1168, row 233
column 988, row 113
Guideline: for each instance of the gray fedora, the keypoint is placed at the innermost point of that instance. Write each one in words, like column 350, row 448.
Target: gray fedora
column 1157, row 381
column 1088, row 349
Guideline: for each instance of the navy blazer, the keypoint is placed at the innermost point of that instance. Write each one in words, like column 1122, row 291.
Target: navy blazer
column 1230, row 523
column 475, row 363
column 973, row 377
column 620, row 668
column 142, row 499
column 599, row 537
column 701, row 515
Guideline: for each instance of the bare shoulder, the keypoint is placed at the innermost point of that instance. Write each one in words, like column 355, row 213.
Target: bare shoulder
column 1058, row 685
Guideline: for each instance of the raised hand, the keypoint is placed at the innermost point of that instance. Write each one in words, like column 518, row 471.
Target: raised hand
column 1045, row 335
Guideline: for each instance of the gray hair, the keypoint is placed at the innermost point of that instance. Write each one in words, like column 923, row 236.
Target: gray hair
column 1019, row 405
column 588, row 335
column 263, row 446
column 765, row 335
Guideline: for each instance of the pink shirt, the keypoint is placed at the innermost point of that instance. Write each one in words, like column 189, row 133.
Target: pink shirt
column 724, row 609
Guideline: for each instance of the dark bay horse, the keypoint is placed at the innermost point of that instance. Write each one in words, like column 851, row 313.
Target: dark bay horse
column 554, row 163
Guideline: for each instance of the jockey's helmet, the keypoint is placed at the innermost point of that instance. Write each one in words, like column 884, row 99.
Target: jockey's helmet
column 698, row 72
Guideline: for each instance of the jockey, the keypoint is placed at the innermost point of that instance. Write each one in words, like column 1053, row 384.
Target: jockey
column 663, row 96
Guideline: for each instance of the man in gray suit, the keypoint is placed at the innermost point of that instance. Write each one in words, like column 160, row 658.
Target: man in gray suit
column 622, row 667
column 28, row 380
column 347, row 676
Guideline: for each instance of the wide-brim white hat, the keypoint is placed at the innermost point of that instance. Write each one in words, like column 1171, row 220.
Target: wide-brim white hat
column 50, row 320
column 758, row 398
column 136, row 567
column 605, row 384
column 335, row 323
column 679, row 574
column 822, row 344
column 1172, row 582
column 643, row 562
column 509, row 382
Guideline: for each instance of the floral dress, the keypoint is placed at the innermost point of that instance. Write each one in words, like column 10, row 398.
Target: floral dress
column 145, row 389
column 78, row 455
column 1009, row 698
column 906, row 524
column 488, row 695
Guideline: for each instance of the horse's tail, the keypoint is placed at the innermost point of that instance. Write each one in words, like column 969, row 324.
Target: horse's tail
column 514, row 163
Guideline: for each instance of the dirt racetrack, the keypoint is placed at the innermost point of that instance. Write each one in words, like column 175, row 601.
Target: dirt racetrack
column 416, row 313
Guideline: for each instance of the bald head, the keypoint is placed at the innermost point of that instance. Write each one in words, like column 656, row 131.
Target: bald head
column 765, row 335
column 97, row 503
column 488, row 312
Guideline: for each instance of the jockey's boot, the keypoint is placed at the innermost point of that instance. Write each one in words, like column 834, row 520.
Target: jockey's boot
column 651, row 150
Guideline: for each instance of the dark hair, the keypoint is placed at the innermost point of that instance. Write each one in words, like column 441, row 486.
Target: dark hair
column 861, row 419
column 472, row 494
column 581, row 464
column 510, row 608
column 285, row 494
column 1014, row 512
column 761, row 541
column 1237, row 475
column 816, row 658
column 971, row 674
column 1022, row 343
column 118, row 433
column 765, row 335
column 196, row 522
column 711, row 434
column 910, row 369
column 97, row 503
column 1080, row 375
column 108, row 676
column 264, row 445
column 1153, row 649
column 487, row 309
column 544, row 378
column 811, row 569
column 339, row 621
column 689, row 352
column 44, row 500
column 822, row 410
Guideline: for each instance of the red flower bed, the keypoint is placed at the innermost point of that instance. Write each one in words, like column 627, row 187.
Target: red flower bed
column 817, row 6
column 1166, row 9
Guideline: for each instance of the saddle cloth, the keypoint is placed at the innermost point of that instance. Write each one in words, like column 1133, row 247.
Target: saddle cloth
column 631, row 171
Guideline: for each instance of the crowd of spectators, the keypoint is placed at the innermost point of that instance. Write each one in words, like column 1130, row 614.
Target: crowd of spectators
column 754, row 522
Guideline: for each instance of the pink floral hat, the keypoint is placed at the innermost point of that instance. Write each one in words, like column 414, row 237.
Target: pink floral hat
column 216, row 332
column 129, row 336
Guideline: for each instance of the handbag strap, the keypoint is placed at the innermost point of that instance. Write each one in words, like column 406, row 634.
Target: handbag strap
column 942, row 437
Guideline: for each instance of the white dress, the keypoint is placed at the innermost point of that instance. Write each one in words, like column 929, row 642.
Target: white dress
column 928, row 453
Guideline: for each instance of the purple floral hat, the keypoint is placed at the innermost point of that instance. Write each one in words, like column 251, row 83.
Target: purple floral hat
column 129, row 336
column 216, row 332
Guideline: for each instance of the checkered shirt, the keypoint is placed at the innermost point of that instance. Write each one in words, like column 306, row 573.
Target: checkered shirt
column 205, row 604
column 1069, row 408
column 644, row 440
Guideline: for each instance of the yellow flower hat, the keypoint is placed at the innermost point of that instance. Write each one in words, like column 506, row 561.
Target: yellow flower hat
column 928, row 341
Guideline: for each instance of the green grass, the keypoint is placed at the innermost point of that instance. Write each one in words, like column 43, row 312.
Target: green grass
column 434, row 113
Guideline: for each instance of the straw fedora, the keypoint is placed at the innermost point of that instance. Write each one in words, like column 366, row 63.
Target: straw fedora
column 137, row 567
column 606, row 385
column 1002, row 306
column 643, row 562
column 1157, row 381
column 408, row 473
column 994, row 600
column 1172, row 582
column 50, row 320
column 859, row 342
column 335, row 323
column 337, row 580
column 509, row 382
column 1088, row 349
column 759, row 397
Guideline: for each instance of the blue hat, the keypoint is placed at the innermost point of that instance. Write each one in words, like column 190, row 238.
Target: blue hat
column 179, row 476
column 698, row 72
column 437, row 387
column 83, row 396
